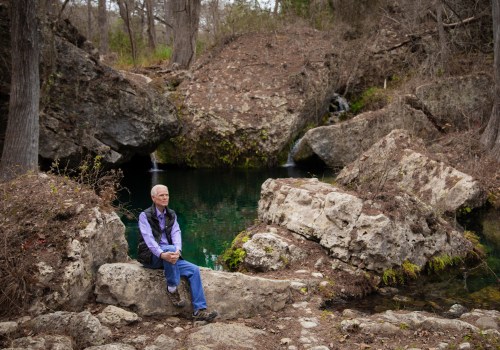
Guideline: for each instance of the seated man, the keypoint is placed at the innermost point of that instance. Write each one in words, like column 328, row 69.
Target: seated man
column 160, row 246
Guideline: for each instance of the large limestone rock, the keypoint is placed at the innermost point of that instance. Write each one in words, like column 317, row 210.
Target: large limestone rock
column 370, row 234
column 339, row 144
column 233, row 295
column 92, row 108
column 244, row 104
column 101, row 241
column 393, row 163
column 86, row 106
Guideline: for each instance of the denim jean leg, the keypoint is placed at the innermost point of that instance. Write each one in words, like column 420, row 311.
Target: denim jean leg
column 171, row 271
column 192, row 273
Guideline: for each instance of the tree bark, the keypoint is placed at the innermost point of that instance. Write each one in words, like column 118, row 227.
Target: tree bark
column 102, row 20
column 151, row 25
column 443, row 46
column 491, row 135
column 169, row 22
column 20, row 151
column 186, row 20
column 89, row 19
column 124, row 8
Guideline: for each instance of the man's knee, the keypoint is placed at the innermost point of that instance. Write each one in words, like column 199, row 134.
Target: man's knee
column 169, row 248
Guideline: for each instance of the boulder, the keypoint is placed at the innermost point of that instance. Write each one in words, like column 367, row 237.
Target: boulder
column 42, row 342
column 393, row 163
column 91, row 108
column 372, row 234
column 84, row 328
column 267, row 251
column 125, row 284
column 339, row 144
column 86, row 106
column 390, row 323
column 113, row 315
column 101, row 241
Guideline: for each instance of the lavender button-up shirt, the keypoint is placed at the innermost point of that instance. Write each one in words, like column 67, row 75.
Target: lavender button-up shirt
column 149, row 239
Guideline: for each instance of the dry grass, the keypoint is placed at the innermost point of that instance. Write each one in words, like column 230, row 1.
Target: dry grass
column 39, row 215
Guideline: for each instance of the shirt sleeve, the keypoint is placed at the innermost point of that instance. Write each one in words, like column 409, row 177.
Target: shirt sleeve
column 147, row 235
column 176, row 235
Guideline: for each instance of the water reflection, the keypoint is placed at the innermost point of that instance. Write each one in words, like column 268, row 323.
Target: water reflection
column 212, row 205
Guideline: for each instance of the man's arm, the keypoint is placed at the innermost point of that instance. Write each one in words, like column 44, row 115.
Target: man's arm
column 147, row 235
column 176, row 235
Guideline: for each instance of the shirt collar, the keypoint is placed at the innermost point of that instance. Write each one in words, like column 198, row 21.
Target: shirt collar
column 160, row 213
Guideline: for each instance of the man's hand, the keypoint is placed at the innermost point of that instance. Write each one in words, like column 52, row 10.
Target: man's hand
column 171, row 257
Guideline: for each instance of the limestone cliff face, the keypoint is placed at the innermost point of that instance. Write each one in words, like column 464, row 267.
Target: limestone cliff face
column 245, row 104
column 90, row 107
column 86, row 106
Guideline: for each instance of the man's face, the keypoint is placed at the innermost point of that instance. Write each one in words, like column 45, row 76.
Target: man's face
column 161, row 198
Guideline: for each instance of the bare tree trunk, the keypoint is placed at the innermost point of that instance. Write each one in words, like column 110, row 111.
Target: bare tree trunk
column 124, row 8
column 442, row 35
column 89, row 19
column 186, row 19
column 102, row 19
column 20, row 151
column 276, row 6
column 491, row 135
column 169, row 22
column 151, row 25
column 216, row 22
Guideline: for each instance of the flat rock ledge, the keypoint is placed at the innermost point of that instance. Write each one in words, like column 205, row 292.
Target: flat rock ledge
column 233, row 295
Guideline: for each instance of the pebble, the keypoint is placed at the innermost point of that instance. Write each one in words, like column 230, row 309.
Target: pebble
column 178, row 330
column 464, row 346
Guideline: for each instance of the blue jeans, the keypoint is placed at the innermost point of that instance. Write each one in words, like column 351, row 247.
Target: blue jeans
column 182, row 268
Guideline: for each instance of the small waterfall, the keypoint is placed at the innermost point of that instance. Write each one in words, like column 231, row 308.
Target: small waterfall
column 338, row 106
column 289, row 161
column 154, row 163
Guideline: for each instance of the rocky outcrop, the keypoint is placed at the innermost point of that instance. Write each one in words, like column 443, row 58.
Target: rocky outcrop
column 339, row 144
column 393, row 163
column 91, row 108
column 71, row 285
column 88, row 107
column 450, row 104
column 245, row 103
column 371, row 234
column 125, row 284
